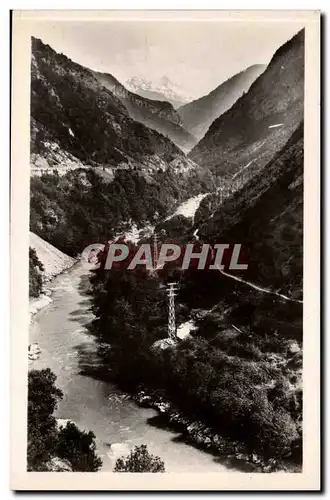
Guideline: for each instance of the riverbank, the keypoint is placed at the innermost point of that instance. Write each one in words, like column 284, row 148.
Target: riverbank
column 201, row 435
column 206, row 438
column 118, row 422
column 54, row 263
column 45, row 298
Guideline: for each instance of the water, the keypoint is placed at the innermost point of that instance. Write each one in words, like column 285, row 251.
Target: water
column 118, row 423
column 189, row 208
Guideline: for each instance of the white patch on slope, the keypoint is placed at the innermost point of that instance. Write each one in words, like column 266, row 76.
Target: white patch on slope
column 196, row 234
column 53, row 260
column 134, row 234
column 276, row 125
column 184, row 329
column 188, row 208
column 246, row 166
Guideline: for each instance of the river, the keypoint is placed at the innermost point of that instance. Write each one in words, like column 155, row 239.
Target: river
column 60, row 328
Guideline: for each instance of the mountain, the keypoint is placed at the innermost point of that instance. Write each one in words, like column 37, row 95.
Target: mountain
column 77, row 122
column 198, row 115
column 164, row 90
column 157, row 115
column 107, row 169
column 260, row 123
column 266, row 218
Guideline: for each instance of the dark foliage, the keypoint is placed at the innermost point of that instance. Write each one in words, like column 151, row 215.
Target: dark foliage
column 139, row 460
column 43, row 397
column 66, row 96
column 45, row 440
column 35, row 274
column 225, row 381
column 266, row 218
column 79, row 448
column 81, row 208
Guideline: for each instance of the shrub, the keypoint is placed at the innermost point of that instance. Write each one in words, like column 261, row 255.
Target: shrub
column 79, row 448
column 35, row 276
column 139, row 460
column 45, row 441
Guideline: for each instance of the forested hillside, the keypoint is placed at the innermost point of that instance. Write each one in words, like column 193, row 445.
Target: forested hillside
column 77, row 121
column 198, row 115
column 134, row 172
column 82, row 207
column 158, row 115
column 266, row 217
column 259, row 124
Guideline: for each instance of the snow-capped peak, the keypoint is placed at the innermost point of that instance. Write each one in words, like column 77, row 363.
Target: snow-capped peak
column 164, row 90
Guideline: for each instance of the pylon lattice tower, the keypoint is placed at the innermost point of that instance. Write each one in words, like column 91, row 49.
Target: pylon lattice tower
column 171, row 289
column 155, row 250
column 220, row 195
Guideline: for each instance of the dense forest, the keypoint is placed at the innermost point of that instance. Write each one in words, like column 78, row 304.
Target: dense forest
column 81, row 207
column 241, row 382
column 67, row 97
column 239, row 370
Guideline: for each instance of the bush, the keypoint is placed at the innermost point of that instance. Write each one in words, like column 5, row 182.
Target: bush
column 45, row 441
column 43, row 397
column 139, row 460
column 79, row 448
column 35, row 276
column 224, row 382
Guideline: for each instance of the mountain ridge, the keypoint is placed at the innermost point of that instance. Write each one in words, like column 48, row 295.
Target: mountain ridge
column 157, row 115
column 77, row 122
column 262, row 120
column 165, row 90
column 198, row 115
column 266, row 217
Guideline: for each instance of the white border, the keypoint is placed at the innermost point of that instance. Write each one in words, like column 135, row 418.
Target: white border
column 20, row 479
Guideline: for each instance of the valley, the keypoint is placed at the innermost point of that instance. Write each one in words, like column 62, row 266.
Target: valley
column 110, row 162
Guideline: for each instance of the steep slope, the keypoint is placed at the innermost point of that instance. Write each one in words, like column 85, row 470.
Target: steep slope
column 164, row 90
column 53, row 260
column 45, row 262
column 266, row 217
column 262, row 120
column 76, row 121
column 198, row 115
column 157, row 115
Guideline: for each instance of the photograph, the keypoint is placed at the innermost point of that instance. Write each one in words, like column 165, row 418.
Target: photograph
column 166, row 179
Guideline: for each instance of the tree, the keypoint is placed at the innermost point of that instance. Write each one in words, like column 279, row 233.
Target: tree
column 79, row 448
column 45, row 441
column 35, row 276
column 140, row 460
column 43, row 397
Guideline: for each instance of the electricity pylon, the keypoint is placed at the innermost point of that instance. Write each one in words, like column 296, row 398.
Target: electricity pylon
column 220, row 195
column 171, row 289
column 155, row 251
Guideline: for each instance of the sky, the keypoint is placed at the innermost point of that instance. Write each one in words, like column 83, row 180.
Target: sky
column 196, row 55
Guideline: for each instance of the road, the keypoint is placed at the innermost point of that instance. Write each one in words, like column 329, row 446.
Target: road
column 259, row 288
